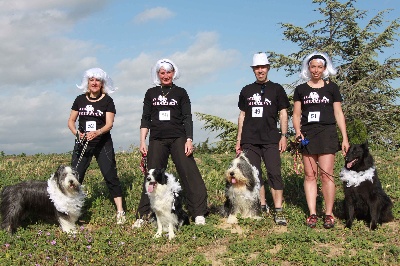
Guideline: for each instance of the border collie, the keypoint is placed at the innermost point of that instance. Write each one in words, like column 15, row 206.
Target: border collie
column 164, row 192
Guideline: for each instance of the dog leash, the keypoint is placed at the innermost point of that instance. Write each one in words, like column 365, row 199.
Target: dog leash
column 79, row 141
column 143, row 164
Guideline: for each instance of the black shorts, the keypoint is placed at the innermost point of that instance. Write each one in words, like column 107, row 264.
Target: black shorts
column 323, row 139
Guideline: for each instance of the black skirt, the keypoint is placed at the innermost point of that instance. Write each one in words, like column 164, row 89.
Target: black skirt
column 323, row 139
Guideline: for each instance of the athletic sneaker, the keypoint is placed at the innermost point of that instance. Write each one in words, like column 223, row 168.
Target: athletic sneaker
column 121, row 217
column 138, row 223
column 265, row 208
column 279, row 218
column 200, row 220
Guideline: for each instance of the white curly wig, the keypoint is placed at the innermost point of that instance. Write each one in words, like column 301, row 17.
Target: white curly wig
column 168, row 65
column 98, row 73
column 329, row 71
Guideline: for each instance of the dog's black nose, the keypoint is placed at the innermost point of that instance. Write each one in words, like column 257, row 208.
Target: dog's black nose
column 148, row 178
column 232, row 173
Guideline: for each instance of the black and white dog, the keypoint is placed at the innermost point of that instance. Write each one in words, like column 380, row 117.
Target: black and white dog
column 164, row 192
column 364, row 196
column 60, row 198
column 242, row 190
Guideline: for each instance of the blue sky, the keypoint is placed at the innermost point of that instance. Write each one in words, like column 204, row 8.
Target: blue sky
column 47, row 45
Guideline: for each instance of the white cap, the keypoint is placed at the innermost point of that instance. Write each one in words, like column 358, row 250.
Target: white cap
column 260, row 59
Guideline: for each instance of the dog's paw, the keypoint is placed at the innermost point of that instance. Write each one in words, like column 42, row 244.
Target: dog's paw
column 171, row 236
column 232, row 219
column 157, row 235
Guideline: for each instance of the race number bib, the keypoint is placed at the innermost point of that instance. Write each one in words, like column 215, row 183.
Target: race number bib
column 257, row 112
column 313, row 116
column 164, row 115
column 90, row 126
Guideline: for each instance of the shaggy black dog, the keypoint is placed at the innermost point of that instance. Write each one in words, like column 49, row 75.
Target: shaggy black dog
column 60, row 198
column 364, row 196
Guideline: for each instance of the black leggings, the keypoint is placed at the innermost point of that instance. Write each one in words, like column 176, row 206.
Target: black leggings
column 105, row 156
column 189, row 175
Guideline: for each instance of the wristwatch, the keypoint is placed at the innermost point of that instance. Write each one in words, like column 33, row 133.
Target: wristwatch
column 286, row 135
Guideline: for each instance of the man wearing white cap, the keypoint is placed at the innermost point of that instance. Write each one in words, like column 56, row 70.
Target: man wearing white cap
column 260, row 104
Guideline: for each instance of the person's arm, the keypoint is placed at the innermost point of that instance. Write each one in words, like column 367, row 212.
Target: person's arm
column 242, row 114
column 71, row 123
column 341, row 122
column 188, row 124
column 143, row 135
column 107, row 127
column 296, row 119
column 283, row 121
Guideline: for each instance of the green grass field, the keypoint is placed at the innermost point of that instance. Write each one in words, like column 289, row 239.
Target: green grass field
column 101, row 242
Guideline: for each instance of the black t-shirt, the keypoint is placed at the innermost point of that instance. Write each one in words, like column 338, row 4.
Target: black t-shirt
column 167, row 113
column 261, row 109
column 92, row 115
column 317, row 104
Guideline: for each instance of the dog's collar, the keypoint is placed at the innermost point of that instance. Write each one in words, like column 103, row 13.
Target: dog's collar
column 354, row 179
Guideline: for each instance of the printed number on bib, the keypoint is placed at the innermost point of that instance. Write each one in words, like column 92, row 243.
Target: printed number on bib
column 257, row 112
column 90, row 126
column 164, row 115
column 313, row 116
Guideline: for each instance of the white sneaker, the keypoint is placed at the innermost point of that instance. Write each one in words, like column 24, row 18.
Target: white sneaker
column 200, row 220
column 138, row 223
column 121, row 217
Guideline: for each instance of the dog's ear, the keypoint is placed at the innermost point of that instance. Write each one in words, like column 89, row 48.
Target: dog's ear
column 365, row 145
column 60, row 169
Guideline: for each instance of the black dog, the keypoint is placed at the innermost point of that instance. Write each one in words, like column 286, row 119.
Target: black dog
column 364, row 196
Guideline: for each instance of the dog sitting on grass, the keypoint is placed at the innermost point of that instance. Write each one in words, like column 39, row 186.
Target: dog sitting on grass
column 242, row 190
column 60, row 198
column 164, row 192
column 364, row 196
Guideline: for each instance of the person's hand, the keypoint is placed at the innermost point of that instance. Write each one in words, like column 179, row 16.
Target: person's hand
column 345, row 147
column 237, row 147
column 189, row 147
column 92, row 134
column 143, row 148
column 299, row 137
column 282, row 144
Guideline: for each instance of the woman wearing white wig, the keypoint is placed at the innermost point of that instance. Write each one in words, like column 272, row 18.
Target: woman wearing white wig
column 317, row 110
column 96, row 111
column 167, row 115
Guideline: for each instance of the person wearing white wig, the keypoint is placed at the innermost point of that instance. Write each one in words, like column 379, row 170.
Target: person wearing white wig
column 317, row 109
column 305, row 73
column 167, row 115
column 166, row 64
column 96, row 111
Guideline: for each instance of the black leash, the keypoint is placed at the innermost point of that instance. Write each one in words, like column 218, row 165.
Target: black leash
column 82, row 145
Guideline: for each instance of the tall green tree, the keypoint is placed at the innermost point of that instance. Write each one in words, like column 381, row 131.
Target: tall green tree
column 360, row 50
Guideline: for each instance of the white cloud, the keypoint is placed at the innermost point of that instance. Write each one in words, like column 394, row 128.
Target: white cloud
column 156, row 13
column 33, row 47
